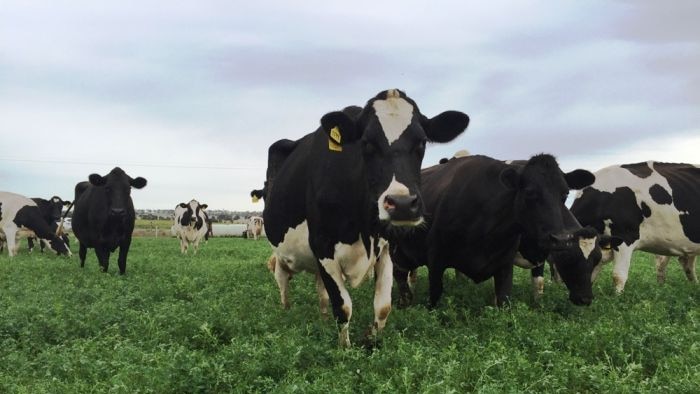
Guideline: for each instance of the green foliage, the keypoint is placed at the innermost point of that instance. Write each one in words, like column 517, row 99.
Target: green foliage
column 213, row 323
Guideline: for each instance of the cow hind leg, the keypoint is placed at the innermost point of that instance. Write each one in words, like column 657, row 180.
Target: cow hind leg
column 688, row 264
column 661, row 264
column 332, row 277
column 435, row 284
column 282, row 279
column 621, row 269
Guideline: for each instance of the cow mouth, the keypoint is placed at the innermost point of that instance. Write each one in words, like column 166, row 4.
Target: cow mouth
column 580, row 300
column 407, row 223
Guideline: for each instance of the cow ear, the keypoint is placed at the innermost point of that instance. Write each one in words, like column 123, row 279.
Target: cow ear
column 340, row 127
column 66, row 203
column 204, row 206
column 138, row 182
column 446, row 126
column 96, row 179
column 509, row 178
column 182, row 205
column 578, row 179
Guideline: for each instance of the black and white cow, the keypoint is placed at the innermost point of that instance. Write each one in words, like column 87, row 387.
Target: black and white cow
column 103, row 216
column 190, row 224
column 18, row 215
column 652, row 206
column 482, row 212
column 51, row 211
column 344, row 187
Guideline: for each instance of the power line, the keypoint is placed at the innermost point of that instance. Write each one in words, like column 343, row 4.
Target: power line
column 130, row 164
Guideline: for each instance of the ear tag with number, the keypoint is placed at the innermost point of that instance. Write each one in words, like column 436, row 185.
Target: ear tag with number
column 334, row 139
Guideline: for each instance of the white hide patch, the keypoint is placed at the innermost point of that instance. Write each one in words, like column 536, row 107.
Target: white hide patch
column 587, row 245
column 395, row 188
column 294, row 250
column 394, row 115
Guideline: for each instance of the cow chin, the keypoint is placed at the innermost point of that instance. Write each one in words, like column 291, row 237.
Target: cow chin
column 407, row 223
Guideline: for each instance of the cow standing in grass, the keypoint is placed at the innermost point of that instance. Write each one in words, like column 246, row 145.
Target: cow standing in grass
column 20, row 215
column 190, row 225
column 104, row 217
column 254, row 227
column 51, row 210
column 485, row 214
column 651, row 206
column 345, row 187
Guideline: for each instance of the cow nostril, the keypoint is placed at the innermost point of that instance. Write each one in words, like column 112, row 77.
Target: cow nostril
column 389, row 203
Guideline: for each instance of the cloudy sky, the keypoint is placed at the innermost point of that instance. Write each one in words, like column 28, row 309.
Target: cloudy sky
column 190, row 94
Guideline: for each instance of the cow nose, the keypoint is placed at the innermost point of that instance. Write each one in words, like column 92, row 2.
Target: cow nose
column 118, row 211
column 581, row 300
column 402, row 207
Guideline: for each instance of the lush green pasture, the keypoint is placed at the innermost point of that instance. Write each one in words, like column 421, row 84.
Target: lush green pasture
column 213, row 323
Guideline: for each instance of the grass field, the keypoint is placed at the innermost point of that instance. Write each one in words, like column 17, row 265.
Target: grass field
column 213, row 323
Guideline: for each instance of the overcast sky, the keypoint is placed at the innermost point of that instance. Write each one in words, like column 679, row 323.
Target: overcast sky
column 190, row 94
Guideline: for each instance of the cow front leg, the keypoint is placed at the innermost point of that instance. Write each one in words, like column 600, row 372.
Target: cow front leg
column 123, row 252
column 503, row 284
column 102, row 258
column 332, row 277
column 688, row 264
column 405, row 291
column 623, row 257
column 537, row 275
column 323, row 300
column 82, row 253
column 282, row 277
column 11, row 240
column 383, row 272
column 661, row 264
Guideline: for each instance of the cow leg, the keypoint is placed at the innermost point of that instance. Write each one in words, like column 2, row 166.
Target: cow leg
column 556, row 278
column 383, row 272
column 537, row 275
column 405, row 291
column 82, row 253
column 623, row 257
column 183, row 246
column 30, row 244
column 123, row 252
column 688, row 263
column 661, row 264
column 102, row 258
column 503, row 284
column 435, row 284
column 332, row 277
column 282, row 278
column 10, row 231
column 323, row 300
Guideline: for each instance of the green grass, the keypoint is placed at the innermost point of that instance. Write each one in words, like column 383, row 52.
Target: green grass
column 213, row 323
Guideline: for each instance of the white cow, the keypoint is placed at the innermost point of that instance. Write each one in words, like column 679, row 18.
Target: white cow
column 190, row 224
column 254, row 227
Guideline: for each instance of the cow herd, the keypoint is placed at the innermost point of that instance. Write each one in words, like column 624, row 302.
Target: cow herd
column 348, row 202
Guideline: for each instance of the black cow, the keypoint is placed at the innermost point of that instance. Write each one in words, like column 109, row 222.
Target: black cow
column 103, row 217
column 483, row 211
column 652, row 206
column 21, row 215
column 51, row 210
column 344, row 187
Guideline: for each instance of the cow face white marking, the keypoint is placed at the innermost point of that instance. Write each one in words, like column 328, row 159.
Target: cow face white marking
column 587, row 245
column 394, row 114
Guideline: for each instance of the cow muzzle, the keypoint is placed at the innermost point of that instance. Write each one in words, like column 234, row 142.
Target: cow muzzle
column 580, row 300
column 117, row 212
column 403, row 210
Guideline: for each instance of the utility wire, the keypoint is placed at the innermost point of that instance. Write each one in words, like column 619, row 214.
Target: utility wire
column 129, row 164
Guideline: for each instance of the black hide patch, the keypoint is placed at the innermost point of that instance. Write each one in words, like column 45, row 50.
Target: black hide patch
column 0, row 211
column 684, row 180
column 660, row 195
column 620, row 207
column 646, row 211
column 641, row 170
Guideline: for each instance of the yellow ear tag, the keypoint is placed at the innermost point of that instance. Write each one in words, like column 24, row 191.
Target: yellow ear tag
column 334, row 140
column 255, row 199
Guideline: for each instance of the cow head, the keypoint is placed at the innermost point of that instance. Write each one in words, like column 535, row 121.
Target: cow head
column 59, row 245
column 56, row 205
column 541, row 189
column 392, row 134
column 575, row 258
column 117, row 186
column 192, row 213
